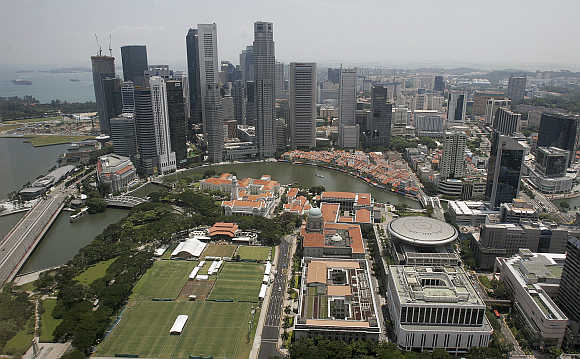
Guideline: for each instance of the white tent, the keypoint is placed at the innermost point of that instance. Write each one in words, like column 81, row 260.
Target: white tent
column 178, row 325
column 262, row 294
column 190, row 246
column 268, row 268
column 194, row 272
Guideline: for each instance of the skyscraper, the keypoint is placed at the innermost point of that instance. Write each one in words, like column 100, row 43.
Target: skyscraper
column 165, row 156
column 348, row 132
column 265, row 61
column 239, row 97
column 134, row 63
column 112, row 97
column 279, row 81
column 247, row 64
column 453, row 160
column 491, row 106
column 506, row 122
column 569, row 291
column 128, row 97
column 334, row 75
column 504, row 169
column 250, row 103
column 192, row 49
column 212, row 112
column 177, row 121
column 439, row 84
column 381, row 116
column 516, row 89
column 124, row 136
column 456, row 107
column 302, row 103
column 560, row 130
column 145, row 130
column 103, row 67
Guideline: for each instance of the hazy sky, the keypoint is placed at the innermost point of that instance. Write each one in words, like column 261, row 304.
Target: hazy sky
column 391, row 32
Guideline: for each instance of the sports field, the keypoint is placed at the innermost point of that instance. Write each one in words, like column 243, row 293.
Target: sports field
column 254, row 253
column 163, row 280
column 238, row 281
column 213, row 329
column 217, row 250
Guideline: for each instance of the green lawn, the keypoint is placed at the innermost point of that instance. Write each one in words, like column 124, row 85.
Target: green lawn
column 213, row 329
column 48, row 140
column 47, row 323
column 163, row 280
column 37, row 119
column 20, row 343
column 94, row 272
column 215, row 250
column 238, row 281
column 254, row 252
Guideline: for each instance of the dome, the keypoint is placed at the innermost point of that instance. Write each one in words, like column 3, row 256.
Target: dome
column 314, row 212
column 422, row 231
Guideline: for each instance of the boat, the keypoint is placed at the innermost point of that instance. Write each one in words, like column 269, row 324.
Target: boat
column 74, row 80
column 21, row 82
column 319, row 176
column 77, row 216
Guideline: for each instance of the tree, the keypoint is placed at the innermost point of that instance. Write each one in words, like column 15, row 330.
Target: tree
column 96, row 205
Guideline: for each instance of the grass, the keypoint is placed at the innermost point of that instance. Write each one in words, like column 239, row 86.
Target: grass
column 28, row 287
column 214, row 250
column 36, row 119
column 213, row 329
column 94, row 272
column 47, row 322
column 238, row 281
column 48, row 140
column 254, row 253
column 163, row 280
column 146, row 190
column 20, row 343
column 4, row 128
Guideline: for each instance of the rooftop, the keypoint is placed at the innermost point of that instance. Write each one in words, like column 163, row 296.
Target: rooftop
column 422, row 231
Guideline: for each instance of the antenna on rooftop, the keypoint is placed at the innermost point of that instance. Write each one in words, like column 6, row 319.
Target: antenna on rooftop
column 100, row 50
column 110, row 49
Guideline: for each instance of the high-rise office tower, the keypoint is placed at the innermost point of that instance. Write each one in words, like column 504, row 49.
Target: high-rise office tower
column 134, row 63
column 380, row 118
column 560, row 130
column 504, row 169
column 239, row 97
column 211, row 106
column 348, row 132
column 302, row 101
column 569, row 291
column 192, row 49
column 103, row 67
column 165, row 156
column 124, row 136
column 128, row 97
column 516, row 89
column 145, row 130
column 177, row 121
column 265, row 62
column 491, row 107
column 456, row 107
column 279, row 81
column 439, row 84
column 113, row 106
column 281, row 133
column 453, row 160
column 506, row 122
column 334, row 75
column 247, row 64
column 251, row 103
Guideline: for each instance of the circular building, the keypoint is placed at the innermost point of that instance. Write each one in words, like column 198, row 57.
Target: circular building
column 422, row 231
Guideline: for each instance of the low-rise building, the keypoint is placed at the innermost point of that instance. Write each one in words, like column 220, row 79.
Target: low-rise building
column 469, row 213
column 435, row 307
column 348, row 201
column 516, row 211
column 115, row 172
column 337, row 301
column 534, row 279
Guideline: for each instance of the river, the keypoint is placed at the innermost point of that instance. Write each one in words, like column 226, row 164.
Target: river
column 286, row 173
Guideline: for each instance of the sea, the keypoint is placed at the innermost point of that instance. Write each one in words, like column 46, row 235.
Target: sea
column 47, row 86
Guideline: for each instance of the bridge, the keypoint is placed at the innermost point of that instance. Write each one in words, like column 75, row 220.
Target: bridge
column 124, row 201
column 20, row 242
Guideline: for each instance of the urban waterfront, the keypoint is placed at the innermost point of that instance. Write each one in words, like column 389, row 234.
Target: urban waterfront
column 307, row 175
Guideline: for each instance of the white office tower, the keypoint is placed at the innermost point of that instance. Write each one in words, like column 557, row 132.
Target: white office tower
column 264, row 65
column 302, row 104
column 453, row 161
column 491, row 107
column 279, row 78
column 456, row 107
column 400, row 121
column 348, row 130
column 211, row 104
column 128, row 97
column 166, row 157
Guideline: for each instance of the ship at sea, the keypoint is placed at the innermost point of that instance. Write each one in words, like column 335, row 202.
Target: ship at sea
column 21, row 82
column 74, row 80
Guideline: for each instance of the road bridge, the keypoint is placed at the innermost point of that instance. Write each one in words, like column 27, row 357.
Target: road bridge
column 124, row 201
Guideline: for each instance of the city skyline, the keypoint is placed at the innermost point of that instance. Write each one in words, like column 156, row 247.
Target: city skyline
column 298, row 36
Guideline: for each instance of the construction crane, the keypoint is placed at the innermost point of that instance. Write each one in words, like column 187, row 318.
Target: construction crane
column 100, row 49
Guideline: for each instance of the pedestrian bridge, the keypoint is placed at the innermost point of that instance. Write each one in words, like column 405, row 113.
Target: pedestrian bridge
column 124, row 201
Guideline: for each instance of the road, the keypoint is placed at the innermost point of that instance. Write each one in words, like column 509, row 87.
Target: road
column 271, row 330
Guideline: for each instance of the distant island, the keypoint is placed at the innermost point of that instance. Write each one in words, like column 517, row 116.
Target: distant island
column 21, row 82
column 68, row 70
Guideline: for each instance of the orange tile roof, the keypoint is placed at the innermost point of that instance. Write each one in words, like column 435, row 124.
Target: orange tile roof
column 364, row 199
column 329, row 211
column 341, row 195
column 344, row 219
column 362, row 216
column 223, row 228
column 217, row 181
column 242, row 203
column 339, row 290
column 292, row 193
column 313, row 239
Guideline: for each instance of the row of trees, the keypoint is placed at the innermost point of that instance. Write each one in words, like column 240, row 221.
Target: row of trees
column 29, row 107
